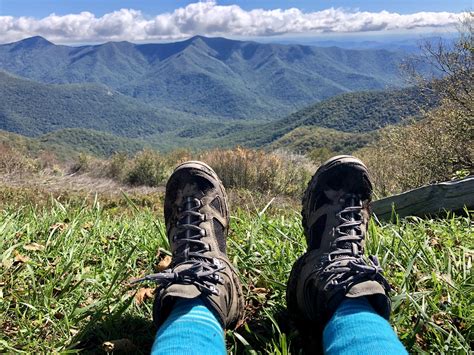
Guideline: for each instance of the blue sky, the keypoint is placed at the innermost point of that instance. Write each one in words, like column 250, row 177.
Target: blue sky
column 93, row 21
column 41, row 8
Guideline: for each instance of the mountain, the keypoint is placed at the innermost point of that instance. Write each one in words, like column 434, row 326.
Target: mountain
column 357, row 112
column 212, row 77
column 104, row 121
column 31, row 108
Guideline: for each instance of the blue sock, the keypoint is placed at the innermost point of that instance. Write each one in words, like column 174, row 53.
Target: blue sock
column 355, row 328
column 191, row 328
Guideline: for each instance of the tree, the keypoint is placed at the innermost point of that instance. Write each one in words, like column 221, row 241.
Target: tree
column 438, row 147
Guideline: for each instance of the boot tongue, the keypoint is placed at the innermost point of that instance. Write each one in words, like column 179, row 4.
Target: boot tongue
column 189, row 204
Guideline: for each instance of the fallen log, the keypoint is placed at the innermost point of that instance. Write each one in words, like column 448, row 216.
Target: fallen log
column 428, row 200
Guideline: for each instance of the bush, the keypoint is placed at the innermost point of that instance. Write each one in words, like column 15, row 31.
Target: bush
column 117, row 166
column 259, row 171
column 432, row 150
column 320, row 155
column 147, row 168
column 81, row 164
column 13, row 161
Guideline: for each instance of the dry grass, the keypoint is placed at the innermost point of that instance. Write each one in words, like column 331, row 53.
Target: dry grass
column 260, row 171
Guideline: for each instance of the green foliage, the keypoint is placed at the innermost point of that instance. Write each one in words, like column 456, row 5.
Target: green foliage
column 96, row 121
column 320, row 155
column 316, row 125
column 147, row 168
column 32, row 109
column 309, row 139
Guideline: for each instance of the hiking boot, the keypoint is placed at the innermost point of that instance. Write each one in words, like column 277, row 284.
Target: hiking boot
column 197, row 221
column 335, row 217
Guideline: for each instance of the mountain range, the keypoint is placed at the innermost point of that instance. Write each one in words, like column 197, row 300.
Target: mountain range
column 211, row 77
column 200, row 93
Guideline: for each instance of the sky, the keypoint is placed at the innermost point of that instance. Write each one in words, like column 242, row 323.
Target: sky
column 94, row 21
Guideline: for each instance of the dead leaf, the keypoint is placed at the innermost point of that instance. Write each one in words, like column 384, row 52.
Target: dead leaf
column 58, row 226
column 260, row 290
column 163, row 264
column 143, row 294
column 118, row 345
column 439, row 318
column 20, row 259
column 33, row 247
column 420, row 341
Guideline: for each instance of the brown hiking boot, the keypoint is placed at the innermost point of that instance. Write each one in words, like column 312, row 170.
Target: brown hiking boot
column 335, row 217
column 197, row 221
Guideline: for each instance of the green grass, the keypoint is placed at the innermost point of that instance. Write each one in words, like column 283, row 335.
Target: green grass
column 74, row 294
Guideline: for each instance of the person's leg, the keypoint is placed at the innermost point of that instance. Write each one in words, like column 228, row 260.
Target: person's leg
column 191, row 328
column 355, row 328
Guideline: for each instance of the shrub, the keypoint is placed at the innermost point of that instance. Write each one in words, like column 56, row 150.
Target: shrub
column 14, row 161
column 259, row 171
column 117, row 166
column 320, row 155
column 432, row 150
column 147, row 168
column 81, row 164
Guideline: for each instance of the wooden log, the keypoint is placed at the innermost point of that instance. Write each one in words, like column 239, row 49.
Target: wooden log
column 428, row 200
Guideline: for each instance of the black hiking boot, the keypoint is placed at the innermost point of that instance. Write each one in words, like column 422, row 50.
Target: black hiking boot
column 335, row 217
column 197, row 221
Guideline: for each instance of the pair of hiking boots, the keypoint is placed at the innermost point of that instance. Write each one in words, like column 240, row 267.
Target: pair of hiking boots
column 335, row 218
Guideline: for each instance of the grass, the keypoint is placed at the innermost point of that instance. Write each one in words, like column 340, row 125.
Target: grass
column 66, row 266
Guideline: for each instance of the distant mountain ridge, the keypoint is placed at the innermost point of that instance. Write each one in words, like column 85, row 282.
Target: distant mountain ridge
column 212, row 77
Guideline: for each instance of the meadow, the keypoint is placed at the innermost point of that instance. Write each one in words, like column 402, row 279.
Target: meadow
column 67, row 260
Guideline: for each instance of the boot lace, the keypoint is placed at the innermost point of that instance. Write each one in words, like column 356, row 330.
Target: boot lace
column 190, row 266
column 346, row 265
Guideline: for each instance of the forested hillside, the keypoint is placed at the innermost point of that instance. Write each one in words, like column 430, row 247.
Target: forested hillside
column 352, row 112
column 31, row 108
column 98, row 120
column 215, row 77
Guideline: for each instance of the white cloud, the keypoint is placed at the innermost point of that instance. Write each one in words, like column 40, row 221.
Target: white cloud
column 209, row 18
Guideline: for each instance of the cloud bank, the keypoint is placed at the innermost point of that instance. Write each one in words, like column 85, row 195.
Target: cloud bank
column 209, row 18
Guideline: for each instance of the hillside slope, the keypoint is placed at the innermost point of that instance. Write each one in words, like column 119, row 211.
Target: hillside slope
column 351, row 112
column 215, row 77
column 67, row 143
column 32, row 108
